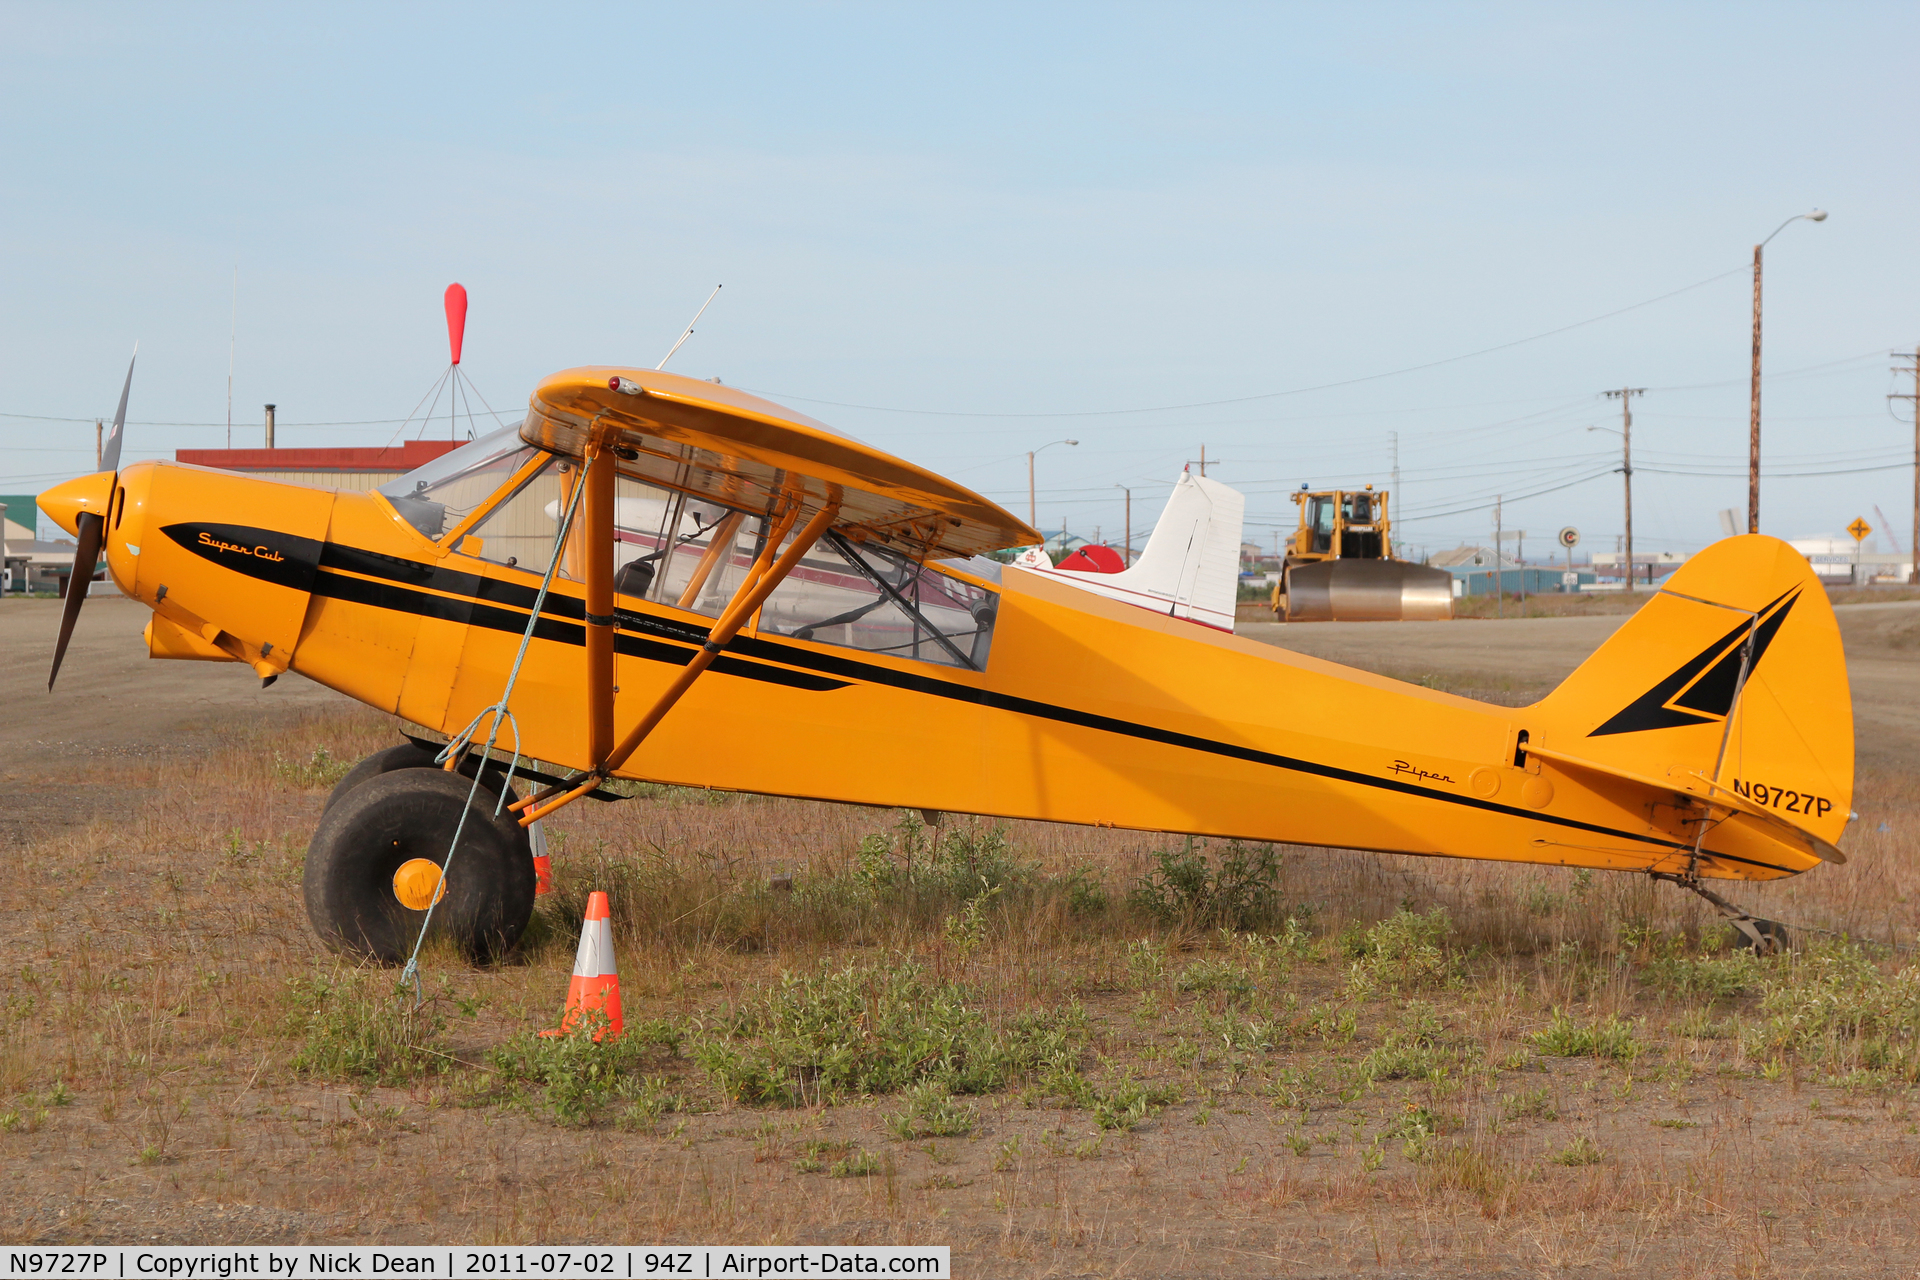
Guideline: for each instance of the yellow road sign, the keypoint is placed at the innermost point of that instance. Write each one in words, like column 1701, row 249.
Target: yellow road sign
column 1859, row 529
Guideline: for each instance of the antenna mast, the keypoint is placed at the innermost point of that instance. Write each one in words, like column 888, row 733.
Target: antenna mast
column 689, row 333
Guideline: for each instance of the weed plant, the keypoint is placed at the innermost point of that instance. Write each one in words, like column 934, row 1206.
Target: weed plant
column 576, row 1078
column 356, row 1024
column 1568, row 1037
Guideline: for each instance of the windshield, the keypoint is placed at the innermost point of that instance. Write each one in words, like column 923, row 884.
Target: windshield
column 438, row 496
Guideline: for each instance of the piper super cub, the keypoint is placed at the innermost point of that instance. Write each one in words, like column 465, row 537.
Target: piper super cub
column 671, row 580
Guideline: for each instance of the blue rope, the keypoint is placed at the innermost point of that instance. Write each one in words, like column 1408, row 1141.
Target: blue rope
column 464, row 739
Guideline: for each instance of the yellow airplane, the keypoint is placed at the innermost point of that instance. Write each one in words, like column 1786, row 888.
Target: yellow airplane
column 683, row 583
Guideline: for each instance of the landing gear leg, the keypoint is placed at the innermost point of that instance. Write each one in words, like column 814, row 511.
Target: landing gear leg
column 1762, row 937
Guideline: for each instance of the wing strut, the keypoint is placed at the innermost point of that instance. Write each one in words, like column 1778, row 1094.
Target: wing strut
column 599, row 477
column 767, row 573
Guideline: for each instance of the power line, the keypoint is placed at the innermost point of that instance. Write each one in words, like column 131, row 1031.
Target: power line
column 1268, row 395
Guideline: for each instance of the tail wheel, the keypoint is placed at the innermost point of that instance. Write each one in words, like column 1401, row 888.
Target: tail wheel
column 1767, row 937
column 374, row 864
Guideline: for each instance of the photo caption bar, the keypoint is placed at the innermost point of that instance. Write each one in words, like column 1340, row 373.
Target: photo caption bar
column 471, row 1262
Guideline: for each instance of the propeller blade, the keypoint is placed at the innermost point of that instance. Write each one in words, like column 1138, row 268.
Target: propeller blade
column 110, row 451
column 92, row 532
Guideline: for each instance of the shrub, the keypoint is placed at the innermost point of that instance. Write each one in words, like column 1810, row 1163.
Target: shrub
column 961, row 864
column 1184, row 888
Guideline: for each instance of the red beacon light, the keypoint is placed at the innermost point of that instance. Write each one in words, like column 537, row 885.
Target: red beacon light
column 625, row 386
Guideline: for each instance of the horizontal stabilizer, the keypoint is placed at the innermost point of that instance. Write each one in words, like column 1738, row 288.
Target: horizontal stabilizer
column 1708, row 794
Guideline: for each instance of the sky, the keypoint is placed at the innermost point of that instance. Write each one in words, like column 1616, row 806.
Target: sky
column 1296, row 236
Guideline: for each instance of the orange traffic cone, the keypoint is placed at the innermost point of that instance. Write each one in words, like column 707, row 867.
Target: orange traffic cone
column 595, row 987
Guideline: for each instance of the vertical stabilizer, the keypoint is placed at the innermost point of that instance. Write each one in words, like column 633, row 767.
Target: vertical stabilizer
column 1191, row 567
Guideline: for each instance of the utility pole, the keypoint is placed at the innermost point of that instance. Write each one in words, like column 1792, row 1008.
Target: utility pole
column 1395, row 437
column 1913, row 571
column 1520, row 554
column 1753, row 418
column 1625, row 396
column 98, row 426
column 1499, row 570
column 1203, row 461
column 1127, row 557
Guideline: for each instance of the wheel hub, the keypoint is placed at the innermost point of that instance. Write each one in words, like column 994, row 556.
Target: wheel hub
column 418, row 885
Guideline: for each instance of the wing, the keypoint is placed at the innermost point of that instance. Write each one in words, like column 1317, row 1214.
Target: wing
column 712, row 441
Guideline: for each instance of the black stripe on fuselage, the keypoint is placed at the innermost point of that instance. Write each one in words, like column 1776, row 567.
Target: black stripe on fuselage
column 470, row 612
column 478, row 588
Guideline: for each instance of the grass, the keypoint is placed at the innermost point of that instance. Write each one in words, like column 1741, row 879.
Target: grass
column 1036, row 1042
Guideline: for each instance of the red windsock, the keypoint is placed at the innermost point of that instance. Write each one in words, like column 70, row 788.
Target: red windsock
column 456, row 301
column 596, row 982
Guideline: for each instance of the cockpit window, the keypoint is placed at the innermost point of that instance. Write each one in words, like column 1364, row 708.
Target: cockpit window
column 438, row 496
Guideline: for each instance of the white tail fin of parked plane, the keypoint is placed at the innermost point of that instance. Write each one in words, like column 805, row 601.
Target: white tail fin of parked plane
column 1191, row 567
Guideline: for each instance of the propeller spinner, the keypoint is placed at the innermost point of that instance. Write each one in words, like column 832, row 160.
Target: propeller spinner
column 90, row 523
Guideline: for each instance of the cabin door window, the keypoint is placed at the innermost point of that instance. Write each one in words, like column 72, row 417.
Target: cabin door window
column 680, row 550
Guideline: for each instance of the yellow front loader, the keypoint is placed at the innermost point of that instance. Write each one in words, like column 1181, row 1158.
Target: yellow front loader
column 1340, row 566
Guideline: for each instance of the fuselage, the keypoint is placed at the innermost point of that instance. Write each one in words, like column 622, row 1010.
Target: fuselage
column 1087, row 710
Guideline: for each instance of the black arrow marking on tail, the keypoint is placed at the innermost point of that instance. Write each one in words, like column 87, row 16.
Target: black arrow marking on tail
column 1690, row 697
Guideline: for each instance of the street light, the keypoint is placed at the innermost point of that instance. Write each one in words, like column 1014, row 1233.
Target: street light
column 1032, row 517
column 1126, row 548
column 1753, row 425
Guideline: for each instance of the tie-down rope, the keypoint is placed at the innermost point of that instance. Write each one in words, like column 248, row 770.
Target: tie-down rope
column 462, row 741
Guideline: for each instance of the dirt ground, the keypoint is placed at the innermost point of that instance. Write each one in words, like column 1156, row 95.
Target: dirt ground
column 1278, row 1111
